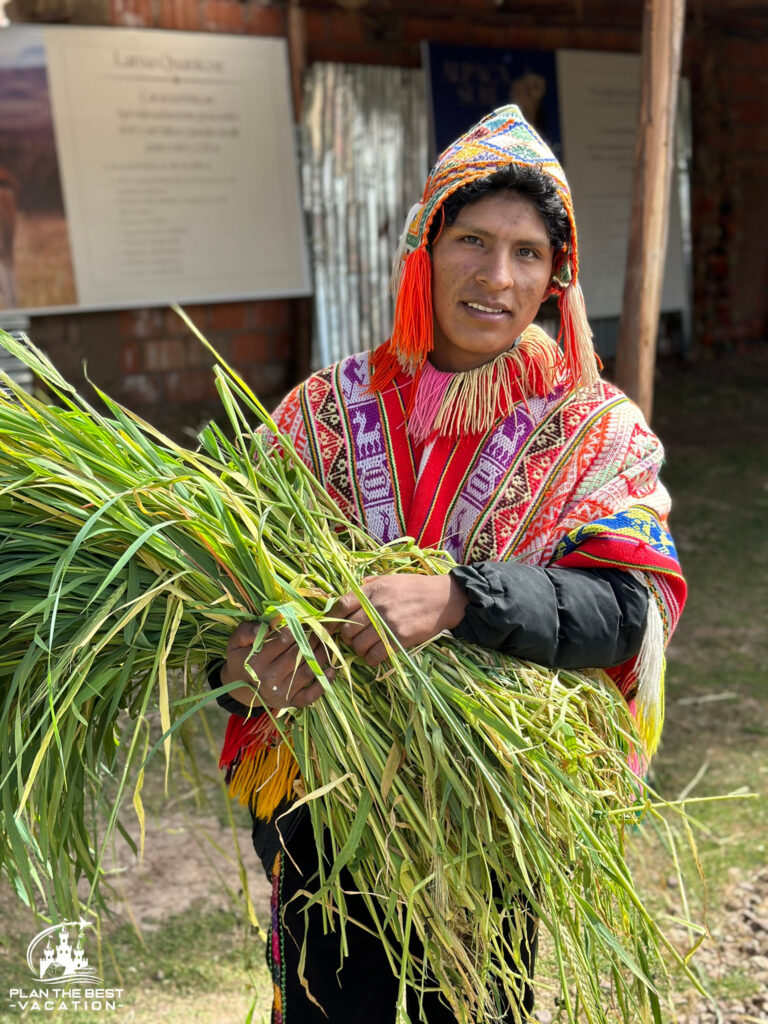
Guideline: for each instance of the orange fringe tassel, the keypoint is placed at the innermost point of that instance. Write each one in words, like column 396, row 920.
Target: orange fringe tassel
column 384, row 366
column 257, row 730
column 264, row 778
column 412, row 329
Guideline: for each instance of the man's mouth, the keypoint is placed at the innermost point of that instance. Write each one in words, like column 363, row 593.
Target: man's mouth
column 496, row 310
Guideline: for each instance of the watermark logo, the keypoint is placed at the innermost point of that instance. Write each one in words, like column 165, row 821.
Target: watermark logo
column 63, row 976
column 64, row 961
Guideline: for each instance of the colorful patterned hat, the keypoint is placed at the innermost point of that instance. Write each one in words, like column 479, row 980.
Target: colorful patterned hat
column 502, row 138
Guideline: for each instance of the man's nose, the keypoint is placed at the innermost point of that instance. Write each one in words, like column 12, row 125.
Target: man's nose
column 497, row 270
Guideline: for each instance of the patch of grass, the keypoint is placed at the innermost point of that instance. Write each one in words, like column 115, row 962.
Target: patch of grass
column 736, row 984
column 182, row 945
column 710, row 417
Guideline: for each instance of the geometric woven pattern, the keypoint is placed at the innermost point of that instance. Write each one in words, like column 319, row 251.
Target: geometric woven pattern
column 570, row 479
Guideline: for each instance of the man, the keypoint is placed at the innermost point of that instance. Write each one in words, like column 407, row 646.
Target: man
column 471, row 430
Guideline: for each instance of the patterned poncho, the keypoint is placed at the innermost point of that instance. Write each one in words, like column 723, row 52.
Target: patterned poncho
column 567, row 479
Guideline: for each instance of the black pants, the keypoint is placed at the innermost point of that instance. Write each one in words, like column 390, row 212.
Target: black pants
column 364, row 990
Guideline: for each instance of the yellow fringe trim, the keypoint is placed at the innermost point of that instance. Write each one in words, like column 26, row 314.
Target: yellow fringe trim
column 264, row 779
column 650, row 718
column 651, row 668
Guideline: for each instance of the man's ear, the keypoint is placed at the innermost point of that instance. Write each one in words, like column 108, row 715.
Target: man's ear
column 552, row 285
column 550, row 288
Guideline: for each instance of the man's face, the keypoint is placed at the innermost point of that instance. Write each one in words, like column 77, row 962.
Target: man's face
column 491, row 270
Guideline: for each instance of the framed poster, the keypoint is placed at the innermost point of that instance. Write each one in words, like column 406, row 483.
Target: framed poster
column 36, row 266
column 599, row 108
column 143, row 167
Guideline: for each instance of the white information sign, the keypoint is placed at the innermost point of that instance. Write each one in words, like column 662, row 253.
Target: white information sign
column 176, row 157
column 599, row 107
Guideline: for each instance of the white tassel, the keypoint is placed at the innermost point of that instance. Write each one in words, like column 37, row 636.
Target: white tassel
column 651, row 665
column 401, row 252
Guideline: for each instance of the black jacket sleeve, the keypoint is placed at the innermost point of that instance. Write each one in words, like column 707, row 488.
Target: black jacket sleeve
column 224, row 700
column 563, row 618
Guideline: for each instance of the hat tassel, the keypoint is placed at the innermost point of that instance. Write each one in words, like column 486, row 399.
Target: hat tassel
column 576, row 336
column 412, row 331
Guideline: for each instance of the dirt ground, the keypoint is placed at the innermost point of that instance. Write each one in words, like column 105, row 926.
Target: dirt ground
column 740, row 945
column 183, row 857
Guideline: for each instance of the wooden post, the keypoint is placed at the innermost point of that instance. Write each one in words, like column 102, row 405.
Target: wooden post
column 297, row 54
column 636, row 352
column 301, row 308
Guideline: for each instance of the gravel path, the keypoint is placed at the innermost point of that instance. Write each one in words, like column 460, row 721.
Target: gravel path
column 740, row 948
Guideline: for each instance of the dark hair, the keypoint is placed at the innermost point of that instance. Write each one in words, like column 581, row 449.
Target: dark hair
column 530, row 182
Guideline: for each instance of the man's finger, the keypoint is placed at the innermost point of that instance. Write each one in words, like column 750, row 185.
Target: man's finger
column 365, row 640
column 297, row 691
column 277, row 645
column 345, row 606
column 289, row 667
column 376, row 654
column 351, row 628
column 307, row 696
column 319, row 650
column 244, row 634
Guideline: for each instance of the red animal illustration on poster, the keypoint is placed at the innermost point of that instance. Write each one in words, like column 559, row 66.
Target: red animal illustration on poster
column 8, row 192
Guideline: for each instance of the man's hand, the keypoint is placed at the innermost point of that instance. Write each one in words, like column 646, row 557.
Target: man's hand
column 415, row 607
column 285, row 680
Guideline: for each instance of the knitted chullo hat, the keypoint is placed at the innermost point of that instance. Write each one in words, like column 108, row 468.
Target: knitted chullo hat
column 502, row 138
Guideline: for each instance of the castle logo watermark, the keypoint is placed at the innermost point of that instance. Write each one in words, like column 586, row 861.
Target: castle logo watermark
column 63, row 978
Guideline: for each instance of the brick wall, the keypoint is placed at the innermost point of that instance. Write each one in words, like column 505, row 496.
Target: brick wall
column 729, row 77
column 146, row 358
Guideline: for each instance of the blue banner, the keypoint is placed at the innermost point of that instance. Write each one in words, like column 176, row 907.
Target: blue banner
column 467, row 82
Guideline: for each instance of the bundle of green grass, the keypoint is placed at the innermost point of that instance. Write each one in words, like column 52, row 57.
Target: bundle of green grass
column 448, row 782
